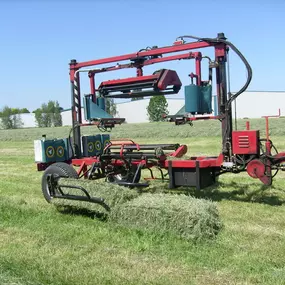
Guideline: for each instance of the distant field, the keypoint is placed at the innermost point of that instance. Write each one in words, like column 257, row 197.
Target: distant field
column 39, row 245
column 149, row 131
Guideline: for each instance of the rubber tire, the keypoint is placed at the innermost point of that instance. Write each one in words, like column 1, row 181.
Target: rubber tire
column 60, row 169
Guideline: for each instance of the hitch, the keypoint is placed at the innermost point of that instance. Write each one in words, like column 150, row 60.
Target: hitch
column 55, row 190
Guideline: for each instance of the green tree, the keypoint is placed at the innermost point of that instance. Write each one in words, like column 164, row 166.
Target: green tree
column 10, row 118
column 157, row 108
column 136, row 98
column 111, row 107
column 49, row 115
column 24, row 111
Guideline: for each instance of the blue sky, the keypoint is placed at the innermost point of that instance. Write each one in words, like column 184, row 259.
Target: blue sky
column 38, row 39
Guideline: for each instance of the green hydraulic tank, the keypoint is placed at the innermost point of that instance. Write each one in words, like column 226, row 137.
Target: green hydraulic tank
column 192, row 98
column 206, row 99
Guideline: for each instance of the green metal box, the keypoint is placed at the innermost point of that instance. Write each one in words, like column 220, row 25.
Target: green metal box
column 105, row 139
column 91, row 145
column 50, row 150
column 192, row 99
column 206, row 99
column 68, row 149
column 198, row 99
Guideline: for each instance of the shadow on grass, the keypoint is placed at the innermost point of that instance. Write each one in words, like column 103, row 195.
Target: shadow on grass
column 72, row 210
column 240, row 192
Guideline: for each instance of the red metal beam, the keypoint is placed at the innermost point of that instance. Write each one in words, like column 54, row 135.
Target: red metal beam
column 152, row 52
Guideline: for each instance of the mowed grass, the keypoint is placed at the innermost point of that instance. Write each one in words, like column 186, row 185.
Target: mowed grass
column 40, row 245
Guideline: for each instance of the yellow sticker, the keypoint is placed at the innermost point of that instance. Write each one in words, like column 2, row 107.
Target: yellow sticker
column 98, row 145
column 60, row 151
column 90, row 147
column 106, row 143
column 50, row 151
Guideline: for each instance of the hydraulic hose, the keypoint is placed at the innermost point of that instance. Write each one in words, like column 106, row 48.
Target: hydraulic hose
column 240, row 55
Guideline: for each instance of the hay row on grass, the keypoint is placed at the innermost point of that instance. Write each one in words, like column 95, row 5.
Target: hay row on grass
column 187, row 217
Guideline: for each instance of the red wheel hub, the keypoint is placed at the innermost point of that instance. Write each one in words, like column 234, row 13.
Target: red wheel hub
column 256, row 168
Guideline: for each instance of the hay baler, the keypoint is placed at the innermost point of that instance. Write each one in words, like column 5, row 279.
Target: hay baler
column 121, row 161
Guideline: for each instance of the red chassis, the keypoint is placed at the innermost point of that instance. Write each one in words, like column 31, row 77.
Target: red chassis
column 122, row 161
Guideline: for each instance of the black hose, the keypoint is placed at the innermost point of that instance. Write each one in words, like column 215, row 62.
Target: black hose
column 233, row 47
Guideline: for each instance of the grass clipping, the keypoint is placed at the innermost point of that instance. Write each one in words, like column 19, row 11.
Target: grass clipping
column 113, row 194
column 187, row 217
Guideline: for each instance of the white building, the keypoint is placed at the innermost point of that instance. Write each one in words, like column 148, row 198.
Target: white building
column 28, row 120
column 250, row 104
column 136, row 111
column 255, row 104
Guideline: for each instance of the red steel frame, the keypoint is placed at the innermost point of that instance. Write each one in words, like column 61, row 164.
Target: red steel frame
column 196, row 171
column 154, row 56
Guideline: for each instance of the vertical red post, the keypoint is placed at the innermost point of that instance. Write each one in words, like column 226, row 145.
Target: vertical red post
column 198, row 69
column 267, row 128
column 92, row 86
column 247, row 124
column 139, row 71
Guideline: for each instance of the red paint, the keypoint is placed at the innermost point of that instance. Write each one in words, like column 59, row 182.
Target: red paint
column 256, row 168
column 220, row 50
column 267, row 122
column 160, row 80
column 204, row 162
column 198, row 70
column 180, row 151
column 188, row 55
column 279, row 158
column 92, row 86
column 139, row 71
column 245, row 142
column 154, row 52
column 203, row 118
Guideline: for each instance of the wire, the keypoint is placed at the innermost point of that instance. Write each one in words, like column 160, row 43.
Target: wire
column 69, row 139
column 103, row 128
column 243, row 59
column 229, row 87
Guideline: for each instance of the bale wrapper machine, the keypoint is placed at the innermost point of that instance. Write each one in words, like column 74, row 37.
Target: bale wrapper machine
column 121, row 161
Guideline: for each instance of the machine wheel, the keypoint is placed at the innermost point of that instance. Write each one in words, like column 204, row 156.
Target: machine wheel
column 58, row 169
column 125, row 176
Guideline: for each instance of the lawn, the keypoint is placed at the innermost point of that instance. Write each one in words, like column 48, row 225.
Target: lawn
column 40, row 245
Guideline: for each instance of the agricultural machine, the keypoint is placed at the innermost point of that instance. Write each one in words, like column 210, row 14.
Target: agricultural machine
column 121, row 161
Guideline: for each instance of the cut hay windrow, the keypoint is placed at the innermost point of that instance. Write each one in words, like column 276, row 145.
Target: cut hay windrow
column 187, row 217
column 112, row 194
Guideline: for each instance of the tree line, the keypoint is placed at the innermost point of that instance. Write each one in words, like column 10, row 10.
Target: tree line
column 48, row 115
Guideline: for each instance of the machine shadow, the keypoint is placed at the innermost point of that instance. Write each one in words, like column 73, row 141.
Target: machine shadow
column 76, row 211
column 241, row 193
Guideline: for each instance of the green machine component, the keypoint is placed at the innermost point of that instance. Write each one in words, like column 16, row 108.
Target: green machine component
column 92, row 111
column 105, row 139
column 206, row 99
column 68, row 149
column 47, row 151
column 91, row 145
column 101, row 103
column 192, row 98
column 198, row 99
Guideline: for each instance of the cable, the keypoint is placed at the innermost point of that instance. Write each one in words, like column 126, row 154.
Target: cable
column 229, row 88
column 243, row 59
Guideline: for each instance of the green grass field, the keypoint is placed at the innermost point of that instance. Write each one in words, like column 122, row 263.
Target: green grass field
column 40, row 245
